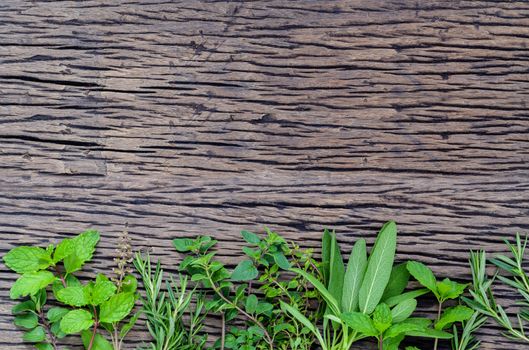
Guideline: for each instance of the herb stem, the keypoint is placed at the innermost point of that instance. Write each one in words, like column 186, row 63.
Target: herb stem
column 94, row 332
column 440, row 307
column 51, row 336
column 61, row 277
column 216, row 289
column 223, row 331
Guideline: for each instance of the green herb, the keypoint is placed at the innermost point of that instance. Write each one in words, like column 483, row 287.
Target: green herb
column 98, row 304
column 366, row 299
column 482, row 297
column 264, row 270
column 165, row 310
column 443, row 290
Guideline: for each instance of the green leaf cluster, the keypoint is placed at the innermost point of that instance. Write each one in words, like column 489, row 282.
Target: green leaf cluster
column 100, row 303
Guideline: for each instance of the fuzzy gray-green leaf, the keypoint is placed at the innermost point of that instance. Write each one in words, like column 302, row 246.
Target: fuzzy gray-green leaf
column 378, row 268
column 356, row 268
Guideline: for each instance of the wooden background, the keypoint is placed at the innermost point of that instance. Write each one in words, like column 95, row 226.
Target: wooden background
column 185, row 118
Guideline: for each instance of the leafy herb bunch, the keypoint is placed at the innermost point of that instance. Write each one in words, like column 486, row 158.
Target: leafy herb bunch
column 367, row 298
column 258, row 301
column 83, row 308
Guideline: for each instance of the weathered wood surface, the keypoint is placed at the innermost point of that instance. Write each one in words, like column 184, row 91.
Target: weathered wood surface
column 185, row 118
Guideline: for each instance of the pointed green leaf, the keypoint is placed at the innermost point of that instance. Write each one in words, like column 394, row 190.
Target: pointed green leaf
column 398, row 280
column 251, row 303
column 250, row 237
column 55, row 314
column 36, row 335
column 382, row 317
column 423, row 275
column 457, row 313
column 244, row 271
column 329, row 299
column 360, row 322
column 84, row 247
column 403, row 310
column 116, row 308
column 303, row 320
column 74, row 296
column 356, row 268
column 336, row 270
column 100, row 343
column 405, row 296
column 27, row 259
column 27, row 321
column 76, row 321
column 31, row 283
column 448, row 289
column 378, row 269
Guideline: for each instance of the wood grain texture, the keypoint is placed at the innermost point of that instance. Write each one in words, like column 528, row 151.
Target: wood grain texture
column 185, row 118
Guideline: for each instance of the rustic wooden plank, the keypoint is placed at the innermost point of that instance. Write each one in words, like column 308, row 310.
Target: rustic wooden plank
column 184, row 118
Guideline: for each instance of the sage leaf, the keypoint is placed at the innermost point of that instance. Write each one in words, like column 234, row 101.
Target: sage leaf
column 336, row 270
column 354, row 275
column 378, row 268
column 403, row 310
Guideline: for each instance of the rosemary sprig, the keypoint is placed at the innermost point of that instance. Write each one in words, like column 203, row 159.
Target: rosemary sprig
column 165, row 310
column 483, row 299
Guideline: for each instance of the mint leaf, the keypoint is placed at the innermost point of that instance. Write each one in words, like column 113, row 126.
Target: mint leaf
column 183, row 245
column 27, row 259
column 76, row 321
column 116, row 308
column 129, row 284
column 250, row 237
column 382, row 317
column 402, row 328
column 36, row 335
column 244, row 271
column 64, row 248
column 361, row 323
column 102, row 291
column 28, row 321
column 56, row 313
column 30, row 283
column 378, row 269
column 424, row 275
column 448, row 289
column 84, row 247
column 22, row 307
column 43, row 346
column 100, row 343
column 74, row 296
column 458, row 313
